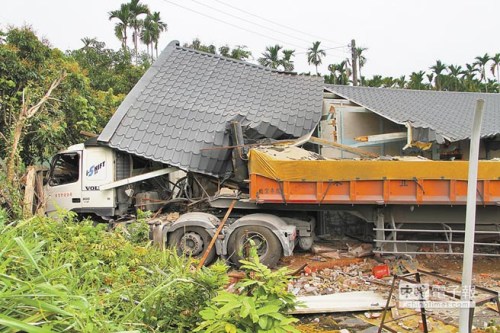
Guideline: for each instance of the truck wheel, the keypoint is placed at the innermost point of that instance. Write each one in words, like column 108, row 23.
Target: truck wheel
column 267, row 244
column 192, row 241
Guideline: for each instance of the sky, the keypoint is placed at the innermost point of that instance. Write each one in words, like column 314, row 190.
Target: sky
column 401, row 36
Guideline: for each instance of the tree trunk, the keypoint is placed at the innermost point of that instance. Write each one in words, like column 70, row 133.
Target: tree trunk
column 25, row 114
column 12, row 159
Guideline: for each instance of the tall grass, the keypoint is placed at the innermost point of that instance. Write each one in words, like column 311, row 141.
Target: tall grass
column 68, row 276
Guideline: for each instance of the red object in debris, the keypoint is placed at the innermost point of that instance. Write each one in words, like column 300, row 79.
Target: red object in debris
column 381, row 271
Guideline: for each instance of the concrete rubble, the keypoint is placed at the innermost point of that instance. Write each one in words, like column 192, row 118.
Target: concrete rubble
column 348, row 268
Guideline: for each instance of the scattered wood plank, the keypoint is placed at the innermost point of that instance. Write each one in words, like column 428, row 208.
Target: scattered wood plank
column 341, row 302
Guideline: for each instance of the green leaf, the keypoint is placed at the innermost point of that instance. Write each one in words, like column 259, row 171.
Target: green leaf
column 277, row 316
column 27, row 253
column 41, row 305
column 224, row 296
column 245, row 308
column 21, row 326
column 230, row 328
column 263, row 322
column 268, row 309
column 207, row 314
column 228, row 307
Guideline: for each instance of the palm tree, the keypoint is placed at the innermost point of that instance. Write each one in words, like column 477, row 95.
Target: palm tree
column 314, row 55
column 136, row 10
column 455, row 71
column 361, row 58
column 123, row 16
column 388, row 82
column 481, row 64
column 438, row 68
column 430, row 78
column 88, row 42
column 468, row 77
column 224, row 51
column 416, row 80
column 241, row 53
column 339, row 73
column 401, row 82
column 197, row 45
column 376, row 81
column 270, row 58
column 287, row 61
column 495, row 66
column 147, row 35
column 158, row 26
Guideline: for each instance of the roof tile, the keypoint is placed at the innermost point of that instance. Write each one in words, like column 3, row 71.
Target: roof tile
column 186, row 99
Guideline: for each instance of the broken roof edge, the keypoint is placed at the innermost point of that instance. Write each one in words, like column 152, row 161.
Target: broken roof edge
column 404, row 123
column 110, row 128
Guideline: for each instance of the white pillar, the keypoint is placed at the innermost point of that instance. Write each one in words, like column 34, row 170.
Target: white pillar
column 470, row 219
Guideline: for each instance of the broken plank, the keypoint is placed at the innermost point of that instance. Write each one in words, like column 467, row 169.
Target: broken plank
column 382, row 138
column 341, row 302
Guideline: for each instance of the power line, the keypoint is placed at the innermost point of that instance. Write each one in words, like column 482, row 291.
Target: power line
column 331, row 49
column 251, row 22
column 228, row 23
column 275, row 23
column 337, row 49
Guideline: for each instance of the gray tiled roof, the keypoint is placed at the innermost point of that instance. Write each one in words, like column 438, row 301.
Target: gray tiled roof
column 186, row 100
column 449, row 114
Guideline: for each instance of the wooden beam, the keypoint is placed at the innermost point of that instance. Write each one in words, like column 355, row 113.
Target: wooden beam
column 340, row 146
column 137, row 178
column 29, row 192
column 381, row 138
column 39, row 193
column 217, row 232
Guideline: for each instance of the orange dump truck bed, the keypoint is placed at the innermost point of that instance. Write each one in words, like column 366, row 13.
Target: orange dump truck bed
column 291, row 175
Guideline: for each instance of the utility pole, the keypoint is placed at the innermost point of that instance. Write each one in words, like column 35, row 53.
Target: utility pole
column 354, row 63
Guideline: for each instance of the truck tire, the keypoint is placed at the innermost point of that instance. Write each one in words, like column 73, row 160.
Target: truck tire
column 268, row 245
column 192, row 241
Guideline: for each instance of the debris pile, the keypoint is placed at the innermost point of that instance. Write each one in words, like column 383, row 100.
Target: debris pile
column 337, row 279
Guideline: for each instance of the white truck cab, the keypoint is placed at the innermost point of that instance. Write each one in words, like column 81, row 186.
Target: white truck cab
column 75, row 178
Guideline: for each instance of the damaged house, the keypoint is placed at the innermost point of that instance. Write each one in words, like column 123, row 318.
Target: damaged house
column 194, row 111
column 433, row 124
column 180, row 111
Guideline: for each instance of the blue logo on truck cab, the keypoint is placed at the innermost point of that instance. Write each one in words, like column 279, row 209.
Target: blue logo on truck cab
column 94, row 169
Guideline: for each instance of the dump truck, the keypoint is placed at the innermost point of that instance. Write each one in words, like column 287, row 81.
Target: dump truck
column 275, row 204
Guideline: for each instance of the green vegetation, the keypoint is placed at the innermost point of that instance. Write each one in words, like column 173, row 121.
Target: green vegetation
column 47, row 98
column 473, row 77
column 240, row 52
column 72, row 276
column 146, row 26
column 260, row 305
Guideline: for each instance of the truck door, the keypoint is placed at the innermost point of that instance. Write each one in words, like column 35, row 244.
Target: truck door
column 98, row 169
column 63, row 188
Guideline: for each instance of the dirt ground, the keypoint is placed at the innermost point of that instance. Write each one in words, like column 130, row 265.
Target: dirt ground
column 343, row 272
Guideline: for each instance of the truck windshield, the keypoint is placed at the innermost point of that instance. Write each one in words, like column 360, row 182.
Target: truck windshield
column 65, row 169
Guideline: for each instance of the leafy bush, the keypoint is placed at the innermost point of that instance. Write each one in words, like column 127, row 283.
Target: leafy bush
column 260, row 305
column 72, row 276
